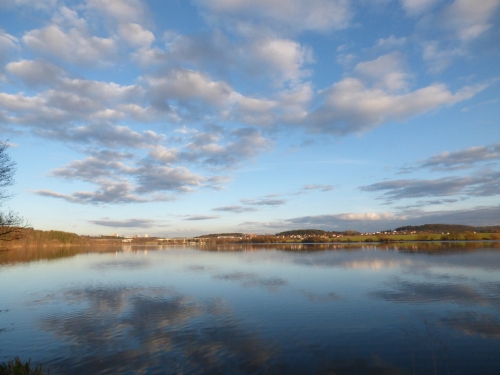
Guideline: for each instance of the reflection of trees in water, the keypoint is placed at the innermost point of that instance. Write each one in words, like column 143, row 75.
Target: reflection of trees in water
column 152, row 331
column 30, row 254
column 410, row 247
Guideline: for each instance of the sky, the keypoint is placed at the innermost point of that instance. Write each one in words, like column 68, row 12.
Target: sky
column 181, row 118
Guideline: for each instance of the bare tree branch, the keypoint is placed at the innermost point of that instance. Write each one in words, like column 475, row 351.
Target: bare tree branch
column 11, row 224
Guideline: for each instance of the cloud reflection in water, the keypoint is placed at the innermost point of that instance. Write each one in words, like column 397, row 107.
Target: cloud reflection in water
column 142, row 330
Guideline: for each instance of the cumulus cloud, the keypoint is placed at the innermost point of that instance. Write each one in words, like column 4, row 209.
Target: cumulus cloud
column 160, row 178
column 468, row 18
column 297, row 15
column 106, row 135
column 284, row 58
column 35, row 73
column 136, row 35
column 121, row 10
column 235, row 209
column 220, row 149
column 128, row 223
column 77, row 110
column 8, row 44
column 350, row 106
column 121, row 179
column 391, row 42
column 387, row 72
column 69, row 39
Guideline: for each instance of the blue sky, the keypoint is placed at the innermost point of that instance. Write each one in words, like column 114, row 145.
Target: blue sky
column 190, row 117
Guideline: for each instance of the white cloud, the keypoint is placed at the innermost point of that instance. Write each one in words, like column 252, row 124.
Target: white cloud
column 68, row 38
column 195, row 94
column 283, row 57
column 35, row 73
column 185, row 85
column 128, row 223
column 350, row 106
column 365, row 216
column 121, row 10
column 235, row 147
column 136, row 35
column 391, row 42
column 416, row 7
column 469, row 18
column 317, row 15
column 386, row 72
column 461, row 159
column 108, row 193
column 31, row 4
column 438, row 57
column 8, row 44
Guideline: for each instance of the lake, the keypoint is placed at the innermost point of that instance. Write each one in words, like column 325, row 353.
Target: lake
column 254, row 309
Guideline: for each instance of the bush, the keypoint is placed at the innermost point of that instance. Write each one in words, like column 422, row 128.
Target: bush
column 470, row 236
column 422, row 237
column 16, row 367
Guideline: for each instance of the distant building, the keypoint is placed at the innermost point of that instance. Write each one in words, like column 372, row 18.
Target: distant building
column 114, row 235
column 146, row 236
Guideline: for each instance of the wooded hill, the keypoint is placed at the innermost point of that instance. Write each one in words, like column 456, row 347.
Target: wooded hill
column 448, row 228
column 315, row 232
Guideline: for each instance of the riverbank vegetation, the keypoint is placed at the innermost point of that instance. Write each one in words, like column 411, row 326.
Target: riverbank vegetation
column 17, row 367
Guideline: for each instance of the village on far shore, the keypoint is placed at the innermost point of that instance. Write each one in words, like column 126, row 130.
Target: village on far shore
column 29, row 237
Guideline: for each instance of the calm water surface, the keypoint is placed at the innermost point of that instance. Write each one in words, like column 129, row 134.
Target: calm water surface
column 266, row 309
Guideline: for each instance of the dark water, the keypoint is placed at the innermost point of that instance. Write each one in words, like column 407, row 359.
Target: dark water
column 266, row 309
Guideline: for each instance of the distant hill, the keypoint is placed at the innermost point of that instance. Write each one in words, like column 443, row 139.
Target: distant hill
column 448, row 228
column 303, row 232
column 315, row 232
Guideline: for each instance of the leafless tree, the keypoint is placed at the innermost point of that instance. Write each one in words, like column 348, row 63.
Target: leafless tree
column 11, row 224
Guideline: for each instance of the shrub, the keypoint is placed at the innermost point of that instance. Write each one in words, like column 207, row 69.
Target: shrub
column 422, row 237
column 16, row 367
column 470, row 236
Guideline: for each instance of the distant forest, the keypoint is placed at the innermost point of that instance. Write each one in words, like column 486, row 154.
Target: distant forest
column 315, row 232
column 448, row 228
